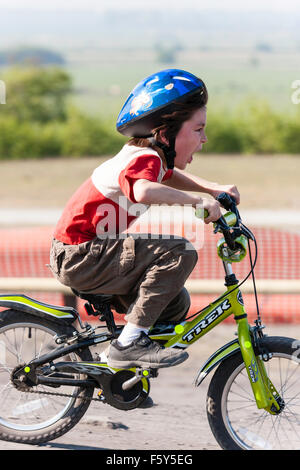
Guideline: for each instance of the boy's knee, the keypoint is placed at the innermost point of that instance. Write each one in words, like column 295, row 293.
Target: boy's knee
column 178, row 308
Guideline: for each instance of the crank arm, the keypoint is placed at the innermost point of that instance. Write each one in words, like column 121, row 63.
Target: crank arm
column 139, row 375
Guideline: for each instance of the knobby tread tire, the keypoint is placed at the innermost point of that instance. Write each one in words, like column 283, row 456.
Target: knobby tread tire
column 79, row 407
column 217, row 385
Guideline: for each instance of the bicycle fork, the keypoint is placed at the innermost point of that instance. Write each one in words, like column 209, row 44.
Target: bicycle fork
column 265, row 394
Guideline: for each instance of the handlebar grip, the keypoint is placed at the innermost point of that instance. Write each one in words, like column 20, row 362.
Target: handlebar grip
column 201, row 213
column 227, row 201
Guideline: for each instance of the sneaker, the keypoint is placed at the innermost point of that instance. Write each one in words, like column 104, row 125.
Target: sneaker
column 143, row 352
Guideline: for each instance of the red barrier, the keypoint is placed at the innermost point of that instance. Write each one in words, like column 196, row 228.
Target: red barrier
column 24, row 252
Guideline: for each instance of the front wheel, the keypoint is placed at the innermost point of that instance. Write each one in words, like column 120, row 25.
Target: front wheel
column 34, row 418
column 233, row 416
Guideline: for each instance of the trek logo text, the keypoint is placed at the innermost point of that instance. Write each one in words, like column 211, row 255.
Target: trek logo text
column 205, row 322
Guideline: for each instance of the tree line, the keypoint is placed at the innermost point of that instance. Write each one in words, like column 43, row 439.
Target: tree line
column 38, row 120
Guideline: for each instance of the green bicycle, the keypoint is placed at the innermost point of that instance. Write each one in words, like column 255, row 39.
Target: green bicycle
column 48, row 375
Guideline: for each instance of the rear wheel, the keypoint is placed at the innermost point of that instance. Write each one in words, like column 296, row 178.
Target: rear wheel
column 234, row 418
column 32, row 417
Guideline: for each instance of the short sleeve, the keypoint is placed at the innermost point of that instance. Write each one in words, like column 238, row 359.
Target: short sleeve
column 146, row 167
column 168, row 175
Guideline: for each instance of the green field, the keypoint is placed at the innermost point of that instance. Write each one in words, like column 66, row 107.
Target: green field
column 250, row 108
column 103, row 79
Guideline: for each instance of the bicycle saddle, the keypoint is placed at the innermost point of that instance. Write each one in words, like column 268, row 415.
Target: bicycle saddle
column 95, row 299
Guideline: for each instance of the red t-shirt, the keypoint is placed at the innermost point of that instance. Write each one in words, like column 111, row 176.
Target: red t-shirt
column 104, row 204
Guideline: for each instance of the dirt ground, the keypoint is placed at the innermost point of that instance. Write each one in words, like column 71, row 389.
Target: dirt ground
column 176, row 422
column 49, row 183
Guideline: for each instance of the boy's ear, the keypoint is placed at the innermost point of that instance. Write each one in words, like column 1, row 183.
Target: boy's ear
column 161, row 136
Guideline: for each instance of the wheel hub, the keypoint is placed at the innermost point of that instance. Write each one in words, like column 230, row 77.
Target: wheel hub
column 20, row 379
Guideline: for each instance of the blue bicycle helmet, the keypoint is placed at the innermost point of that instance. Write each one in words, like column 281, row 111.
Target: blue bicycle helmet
column 142, row 109
column 154, row 96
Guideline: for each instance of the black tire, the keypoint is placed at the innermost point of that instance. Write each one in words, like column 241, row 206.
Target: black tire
column 233, row 416
column 18, row 408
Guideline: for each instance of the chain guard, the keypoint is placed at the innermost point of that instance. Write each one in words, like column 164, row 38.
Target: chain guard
column 113, row 393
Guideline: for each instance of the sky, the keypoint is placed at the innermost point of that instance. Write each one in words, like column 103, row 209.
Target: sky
column 274, row 5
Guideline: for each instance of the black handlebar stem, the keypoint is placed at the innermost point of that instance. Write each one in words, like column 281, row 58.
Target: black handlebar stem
column 228, row 202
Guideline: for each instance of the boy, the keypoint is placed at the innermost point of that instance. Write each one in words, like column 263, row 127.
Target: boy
column 166, row 117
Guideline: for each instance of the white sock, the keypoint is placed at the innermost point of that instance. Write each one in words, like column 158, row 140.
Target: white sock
column 103, row 357
column 129, row 333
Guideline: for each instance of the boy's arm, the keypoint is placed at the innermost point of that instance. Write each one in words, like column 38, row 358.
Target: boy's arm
column 149, row 192
column 186, row 182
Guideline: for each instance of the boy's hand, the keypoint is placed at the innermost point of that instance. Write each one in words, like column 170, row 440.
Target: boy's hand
column 227, row 188
column 213, row 208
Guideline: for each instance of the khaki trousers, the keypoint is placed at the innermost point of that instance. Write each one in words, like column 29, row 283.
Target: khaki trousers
column 145, row 275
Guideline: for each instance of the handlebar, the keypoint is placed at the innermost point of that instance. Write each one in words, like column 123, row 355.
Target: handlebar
column 221, row 225
column 228, row 202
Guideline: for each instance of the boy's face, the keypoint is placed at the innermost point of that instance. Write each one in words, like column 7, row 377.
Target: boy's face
column 190, row 138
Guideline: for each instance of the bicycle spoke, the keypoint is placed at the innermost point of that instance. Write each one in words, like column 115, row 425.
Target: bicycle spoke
column 23, row 407
column 257, row 428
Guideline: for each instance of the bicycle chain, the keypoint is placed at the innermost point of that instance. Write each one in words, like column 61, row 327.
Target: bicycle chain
column 61, row 395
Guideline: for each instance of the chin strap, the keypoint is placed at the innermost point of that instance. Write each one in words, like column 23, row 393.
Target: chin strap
column 169, row 151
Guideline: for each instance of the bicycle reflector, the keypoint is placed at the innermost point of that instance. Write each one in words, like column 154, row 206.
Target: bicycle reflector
column 232, row 256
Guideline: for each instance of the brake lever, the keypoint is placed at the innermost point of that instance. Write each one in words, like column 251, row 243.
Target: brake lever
column 226, row 201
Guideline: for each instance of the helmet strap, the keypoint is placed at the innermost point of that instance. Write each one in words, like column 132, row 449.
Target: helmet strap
column 169, row 151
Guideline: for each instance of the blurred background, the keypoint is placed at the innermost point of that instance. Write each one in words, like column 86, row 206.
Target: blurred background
column 70, row 65
column 67, row 67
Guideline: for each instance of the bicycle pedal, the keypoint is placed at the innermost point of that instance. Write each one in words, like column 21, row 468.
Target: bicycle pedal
column 146, row 372
column 140, row 373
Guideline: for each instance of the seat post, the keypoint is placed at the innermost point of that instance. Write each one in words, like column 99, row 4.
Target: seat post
column 99, row 305
column 108, row 317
